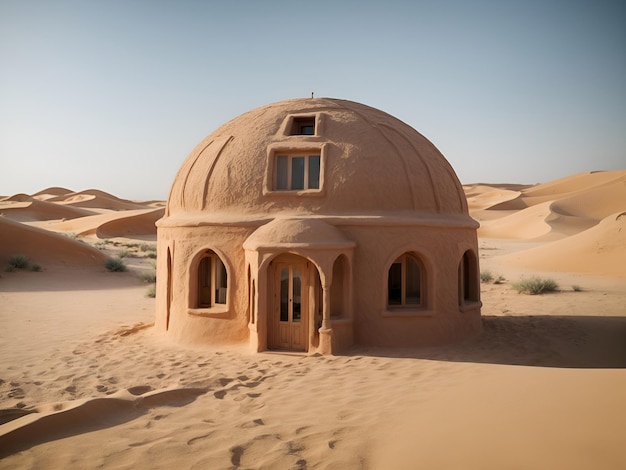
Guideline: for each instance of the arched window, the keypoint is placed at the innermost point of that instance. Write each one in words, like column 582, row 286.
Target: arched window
column 468, row 278
column 406, row 282
column 212, row 281
column 339, row 294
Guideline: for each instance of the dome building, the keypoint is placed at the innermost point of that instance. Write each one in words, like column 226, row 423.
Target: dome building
column 314, row 224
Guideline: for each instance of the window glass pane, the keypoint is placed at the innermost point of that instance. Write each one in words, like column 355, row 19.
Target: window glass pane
column 281, row 172
column 466, row 278
column 297, row 173
column 394, row 284
column 220, row 281
column 307, row 129
column 314, row 172
column 412, row 282
column 297, row 299
column 284, row 294
column 204, row 282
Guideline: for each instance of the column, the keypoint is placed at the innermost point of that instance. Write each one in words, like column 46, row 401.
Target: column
column 325, row 331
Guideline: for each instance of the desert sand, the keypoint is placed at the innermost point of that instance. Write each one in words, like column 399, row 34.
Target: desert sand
column 85, row 382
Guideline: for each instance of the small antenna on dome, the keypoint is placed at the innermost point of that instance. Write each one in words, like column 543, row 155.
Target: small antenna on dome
column 312, row 95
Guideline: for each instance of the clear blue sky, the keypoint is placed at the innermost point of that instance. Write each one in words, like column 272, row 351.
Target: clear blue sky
column 114, row 94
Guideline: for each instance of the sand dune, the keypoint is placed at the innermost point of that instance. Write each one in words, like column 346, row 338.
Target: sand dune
column 85, row 382
column 52, row 192
column 127, row 223
column 484, row 197
column 30, row 224
column 27, row 209
column 135, row 225
column 44, row 247
column 549, row 211
column 609, row 182
column 600, row 249
column 93, row 198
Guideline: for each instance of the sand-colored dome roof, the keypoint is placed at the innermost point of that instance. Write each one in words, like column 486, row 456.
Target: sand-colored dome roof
column 371, row 163
column 294, row 233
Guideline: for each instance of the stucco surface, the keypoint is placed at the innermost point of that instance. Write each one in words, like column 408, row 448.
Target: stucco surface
column 385, row 192
column 374, row 162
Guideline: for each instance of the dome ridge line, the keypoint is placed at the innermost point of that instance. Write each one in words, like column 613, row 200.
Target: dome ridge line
column 190, row 172
column 422, row 159
column 222, row 142
column 183, row 172
column 379, row 127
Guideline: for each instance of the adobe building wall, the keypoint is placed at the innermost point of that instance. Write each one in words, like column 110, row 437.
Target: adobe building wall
column 180, row 319
column 360, row 186
column 446, row 318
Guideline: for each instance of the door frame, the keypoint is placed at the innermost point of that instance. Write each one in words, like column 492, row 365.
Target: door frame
column 274, row 325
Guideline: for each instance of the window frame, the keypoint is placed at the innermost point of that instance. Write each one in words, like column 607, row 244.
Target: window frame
column 289, row 172
column 403, row 308
column 299, row 123
column 217, row 269
column 292, row 151
column 468, row 281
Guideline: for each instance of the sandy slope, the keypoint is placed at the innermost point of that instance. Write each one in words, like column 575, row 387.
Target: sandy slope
column 44, row 247
column 553, row 211
column 86, row 383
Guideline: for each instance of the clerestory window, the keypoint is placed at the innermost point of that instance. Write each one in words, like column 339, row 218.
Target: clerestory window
column 212, row 281
column 297, row 172
column 303, row 126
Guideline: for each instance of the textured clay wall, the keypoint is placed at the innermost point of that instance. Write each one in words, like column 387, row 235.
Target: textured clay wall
column 441, row 252
column 219, row 325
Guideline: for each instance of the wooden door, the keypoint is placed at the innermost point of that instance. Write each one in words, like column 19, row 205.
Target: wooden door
column 289, row 317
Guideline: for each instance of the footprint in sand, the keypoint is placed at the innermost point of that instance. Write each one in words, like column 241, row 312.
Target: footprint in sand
column 16, row 393
column 139, row 389
column 220, row 394
column 235, row 455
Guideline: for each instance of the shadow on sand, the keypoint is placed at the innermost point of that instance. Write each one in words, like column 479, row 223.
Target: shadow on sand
column 90, row 415
column 543, row 341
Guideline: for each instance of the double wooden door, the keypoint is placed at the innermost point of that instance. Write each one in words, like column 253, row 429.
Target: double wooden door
column 289, row 315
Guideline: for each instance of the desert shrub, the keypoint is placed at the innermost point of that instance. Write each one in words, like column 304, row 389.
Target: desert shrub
column 151, row 292
column 577, row 288
column 115, row 265
column 535, row 285
column 151, row 254
column 18, row 261
column 486, row 276
column 148, row 277
column 35, row 268
column 147, row 247
column 499, row 280
column 123, row 253
column 9, row 268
